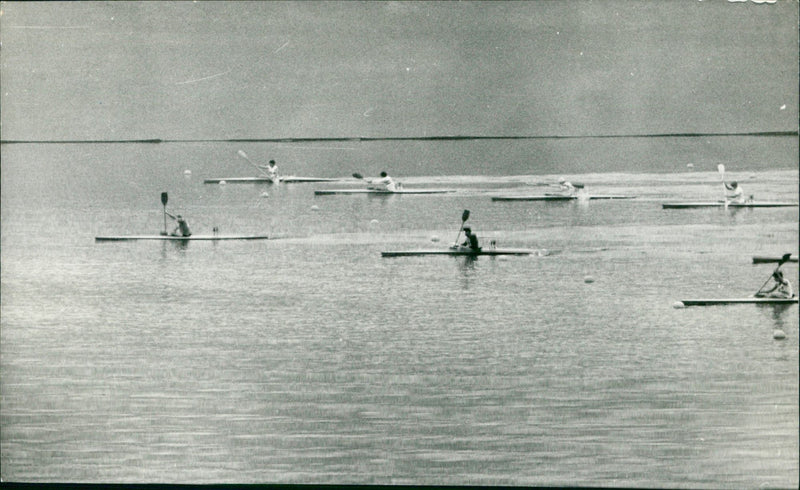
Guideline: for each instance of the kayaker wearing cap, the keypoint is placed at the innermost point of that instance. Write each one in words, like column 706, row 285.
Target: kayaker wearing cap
column 566, row 186
column 781, row 289
column 182, row 226
column 272, row 171
column 385, row 183
column 736, row 193
column 472, row 240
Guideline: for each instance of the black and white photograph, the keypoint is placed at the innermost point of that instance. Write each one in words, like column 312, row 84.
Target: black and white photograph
column 543, row 243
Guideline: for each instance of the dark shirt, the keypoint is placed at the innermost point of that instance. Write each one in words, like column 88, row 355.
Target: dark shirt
column 472, row 242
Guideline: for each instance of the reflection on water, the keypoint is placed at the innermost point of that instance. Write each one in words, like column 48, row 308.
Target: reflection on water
column 312, row 359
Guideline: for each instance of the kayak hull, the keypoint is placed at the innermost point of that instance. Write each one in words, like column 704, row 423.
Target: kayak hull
column 735, row 301
column 471, row 253
column 720, row 204
column 123, row 238
column 760, row 259
column 267, row 180
column 377, row 192
column 558, row 198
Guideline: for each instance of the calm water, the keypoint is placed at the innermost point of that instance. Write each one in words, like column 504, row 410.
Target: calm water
column 311, row 359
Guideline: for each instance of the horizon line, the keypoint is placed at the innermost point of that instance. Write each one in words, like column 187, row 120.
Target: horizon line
column 401, row 138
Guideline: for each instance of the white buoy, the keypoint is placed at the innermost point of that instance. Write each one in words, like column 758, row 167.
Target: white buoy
column 434, row 238
column 222, row 182
column 265, row 194
column 315, row 207
column 690, row 165
column 374, row 222
column 588, row 279
column 678, row 304
column 187, row 172
column 778, row 334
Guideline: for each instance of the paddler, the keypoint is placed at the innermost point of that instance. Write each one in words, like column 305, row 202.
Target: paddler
column 182, row 228
column 566, row 187
column 385, row 183
column 735, row 194
column 472, row 240
column 781, row 289
column 272, row 170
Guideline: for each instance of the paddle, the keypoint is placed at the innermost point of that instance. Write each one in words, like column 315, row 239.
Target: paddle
column 244, row 155
column 164, row 199
column 358, row 176
column 464, row 218
column 783, row 260
column 721, row 170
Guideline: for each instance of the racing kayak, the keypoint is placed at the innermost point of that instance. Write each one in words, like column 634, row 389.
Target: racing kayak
column 267, row 180
column 558, row 197
column 122, row 238
column 376, row 191
column 719, row 204
column 462, row 251
column 734, row 301
column 760, row 259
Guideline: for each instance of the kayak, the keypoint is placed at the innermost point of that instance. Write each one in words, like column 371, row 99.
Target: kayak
column 733, row 301
column 760, row 259
column 558, row 197
column 719, row 204
column 472, row 253
column 375, row 191
column 267, row 180
column 122, row 238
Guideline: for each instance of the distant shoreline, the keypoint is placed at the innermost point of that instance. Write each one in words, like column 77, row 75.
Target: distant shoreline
column 768, row 134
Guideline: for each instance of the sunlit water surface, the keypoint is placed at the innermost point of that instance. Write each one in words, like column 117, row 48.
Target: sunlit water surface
column 312, row 359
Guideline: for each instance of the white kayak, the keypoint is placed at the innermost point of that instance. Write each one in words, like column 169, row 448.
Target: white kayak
column 735, row 301
column 122, row 238
column 465, row 251
column 555, row 197
column 719, row 204
column 762, row 259
column 381, row 192
column 267, row 180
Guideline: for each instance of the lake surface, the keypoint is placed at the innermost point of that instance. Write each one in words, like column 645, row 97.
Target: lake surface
column 312, row 359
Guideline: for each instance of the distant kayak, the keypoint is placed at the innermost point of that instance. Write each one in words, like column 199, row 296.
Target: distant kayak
column 761, row 259
column 461, row 251
column 556, row 197
column 375, row 191
column 122, row 238
column 267, row 180
column 734, row 301
column 719, row 204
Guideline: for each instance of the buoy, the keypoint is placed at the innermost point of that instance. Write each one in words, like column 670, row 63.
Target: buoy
column 265, row 194
column 434, row 238
column 222, row 182
column 588, row 279
column 315, row 208
column 374, row 222
column 778, row 334
column 690, row 165
column 678, row 304
column 187, row 172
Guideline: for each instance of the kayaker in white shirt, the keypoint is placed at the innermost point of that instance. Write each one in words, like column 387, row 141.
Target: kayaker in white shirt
column 566, row 187
column 272, row 170
column 781, row 289
column 385, row 183
column 735, row 194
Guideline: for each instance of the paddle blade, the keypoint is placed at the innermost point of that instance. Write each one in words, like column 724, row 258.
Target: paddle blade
column 465, row 215
column 358, row 175
column 785, row 258
column 164, row 199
